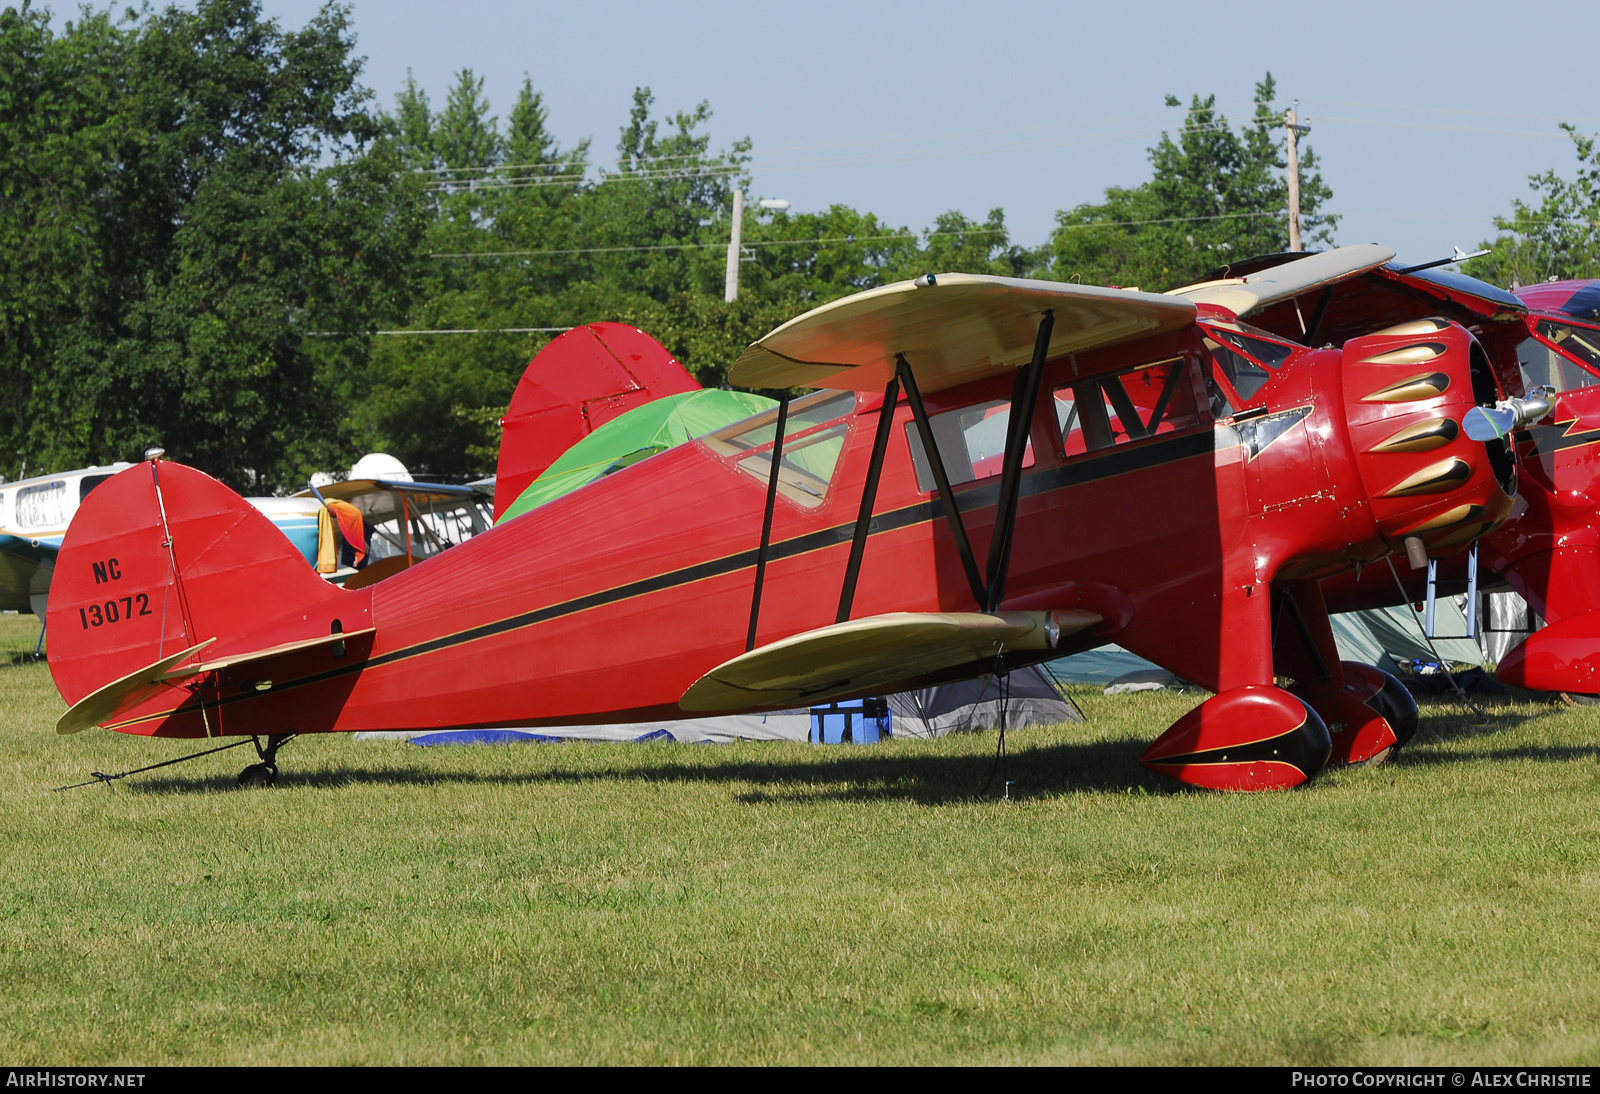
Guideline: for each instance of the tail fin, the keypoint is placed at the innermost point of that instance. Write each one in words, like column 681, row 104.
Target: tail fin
column 159, row 559
column 581, row 380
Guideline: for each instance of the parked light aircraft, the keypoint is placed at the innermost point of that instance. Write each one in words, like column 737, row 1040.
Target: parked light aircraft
column 993, row 472
column 34, row 514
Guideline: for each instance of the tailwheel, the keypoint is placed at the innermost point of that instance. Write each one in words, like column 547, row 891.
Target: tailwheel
column 265, row 773
column 1257, row 737
column 257, row 775
column 1367, row 719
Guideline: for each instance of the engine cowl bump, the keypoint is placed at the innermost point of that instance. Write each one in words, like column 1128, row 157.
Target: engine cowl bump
column 1406, row 391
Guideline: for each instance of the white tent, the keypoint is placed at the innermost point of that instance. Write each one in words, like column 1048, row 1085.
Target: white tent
column 1380, row 636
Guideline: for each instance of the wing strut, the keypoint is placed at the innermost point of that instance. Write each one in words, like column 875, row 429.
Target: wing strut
column 766, row 521
column 1024, row 397
column 1310, row 332
column 941, row 480
column 869, row 496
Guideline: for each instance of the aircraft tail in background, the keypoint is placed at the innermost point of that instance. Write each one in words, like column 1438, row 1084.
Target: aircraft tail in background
column 581, row 380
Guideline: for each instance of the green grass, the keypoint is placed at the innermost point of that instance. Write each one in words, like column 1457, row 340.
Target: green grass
column 779, row 903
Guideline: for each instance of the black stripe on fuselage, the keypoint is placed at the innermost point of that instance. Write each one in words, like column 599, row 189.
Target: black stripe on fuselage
column 1136, row 457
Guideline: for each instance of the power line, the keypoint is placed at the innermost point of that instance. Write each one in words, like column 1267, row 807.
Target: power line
column 872, row 143
column 665, row 175
column 1432, row 109
column 722, row 245
column 551, row 164
column 846, row 239
column 446, row 181
column 459, row 330
column 1443, row 128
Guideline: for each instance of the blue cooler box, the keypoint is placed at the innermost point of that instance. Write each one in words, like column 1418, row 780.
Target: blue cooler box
column 855, row 721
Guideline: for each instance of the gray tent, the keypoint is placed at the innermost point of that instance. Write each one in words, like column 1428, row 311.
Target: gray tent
column 1031, row 700
column 930, row 712
column 1383, row 636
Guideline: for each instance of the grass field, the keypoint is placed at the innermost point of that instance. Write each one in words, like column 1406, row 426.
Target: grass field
column 780, row 903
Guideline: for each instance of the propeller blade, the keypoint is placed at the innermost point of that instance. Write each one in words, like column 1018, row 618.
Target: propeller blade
column 1489, row 423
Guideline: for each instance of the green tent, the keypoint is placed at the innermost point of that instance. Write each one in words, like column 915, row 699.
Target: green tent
column 1381, row 636
column 634, row 436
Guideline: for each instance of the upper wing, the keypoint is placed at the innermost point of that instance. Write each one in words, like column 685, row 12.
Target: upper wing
column 1243, row 295
column 1365, row 295
column 884, row 653
column 953, row 328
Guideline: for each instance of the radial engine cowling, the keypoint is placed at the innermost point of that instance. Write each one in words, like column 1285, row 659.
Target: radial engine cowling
column 1406, row 391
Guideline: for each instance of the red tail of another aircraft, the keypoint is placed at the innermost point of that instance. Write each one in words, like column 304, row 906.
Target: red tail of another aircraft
column 583, row 379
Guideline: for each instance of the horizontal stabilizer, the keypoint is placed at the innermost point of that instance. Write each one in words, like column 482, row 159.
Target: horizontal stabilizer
column 952, row 328
column 881, row 652
column 270, row 652
column 126, row 693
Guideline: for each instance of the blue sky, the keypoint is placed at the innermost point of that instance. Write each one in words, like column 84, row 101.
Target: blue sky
column 1428, row 118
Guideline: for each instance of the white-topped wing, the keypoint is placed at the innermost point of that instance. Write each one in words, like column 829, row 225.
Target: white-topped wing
column 885, row 653
column 959, row 328
column 1244, row 295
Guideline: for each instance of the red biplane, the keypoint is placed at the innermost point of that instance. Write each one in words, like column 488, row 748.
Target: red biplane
column 995, row 472
column 1542, row 339
column 1550, row 553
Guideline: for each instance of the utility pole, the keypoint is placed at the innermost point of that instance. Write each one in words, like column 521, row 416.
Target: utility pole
column 730, row 290
column 1291, row 123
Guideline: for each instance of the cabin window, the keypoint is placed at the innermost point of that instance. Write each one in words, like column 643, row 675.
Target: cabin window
column 1541, row 365
column 1103, row 411
column 43, row 506
column 813, row 438
column 88, row 483
column 1245, row 361
column 1217, row 394
column 972, row 443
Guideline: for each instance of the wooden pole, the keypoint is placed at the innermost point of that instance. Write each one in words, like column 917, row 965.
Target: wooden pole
column 1290, row 123
column 730, row 291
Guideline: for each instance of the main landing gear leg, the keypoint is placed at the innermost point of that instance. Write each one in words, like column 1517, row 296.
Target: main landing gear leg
column 265, row 773
column 1251, row 735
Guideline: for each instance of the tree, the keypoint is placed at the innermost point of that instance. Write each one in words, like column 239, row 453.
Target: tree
column 531, row 241
column 465, row 135
column 524, row 241
column 1560, row 238
column 233, row 199
column 1215, row 195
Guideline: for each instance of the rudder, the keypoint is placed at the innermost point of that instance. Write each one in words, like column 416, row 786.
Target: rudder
column 581, row 380
column 160, row 558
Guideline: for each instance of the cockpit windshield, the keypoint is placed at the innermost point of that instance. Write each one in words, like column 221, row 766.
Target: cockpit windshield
column 1580, row 343
column 813, row 438
column 1246, row 360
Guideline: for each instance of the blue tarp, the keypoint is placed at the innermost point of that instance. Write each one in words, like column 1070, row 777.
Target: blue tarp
column 484, row 737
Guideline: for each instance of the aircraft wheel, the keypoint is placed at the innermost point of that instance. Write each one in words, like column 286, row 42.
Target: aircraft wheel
column 1256, row 737
column 258, row 776
column 1368, row 719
